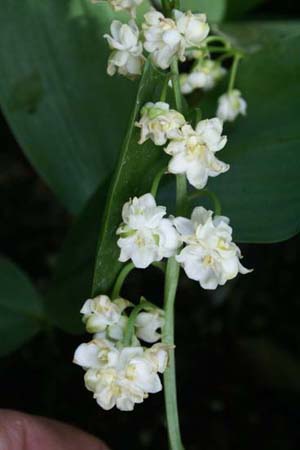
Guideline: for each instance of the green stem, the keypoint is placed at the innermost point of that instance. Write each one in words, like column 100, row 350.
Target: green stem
column 157, row 180
column 171, row 282
column 233, row 72
column 164, row 92
column 120, row 280
column 181, row 197
column 176, row 85
column 212, row 196
column 220, row 39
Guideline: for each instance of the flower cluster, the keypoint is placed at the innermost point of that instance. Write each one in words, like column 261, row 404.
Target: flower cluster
column 192, row 150
column 209, row 255
column 120, row 375
column 163, row 38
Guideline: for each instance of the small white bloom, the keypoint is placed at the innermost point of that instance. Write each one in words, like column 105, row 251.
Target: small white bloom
column 100, row 313
column 193, row 27
column 204, row 76
column 162, row 39
column 96, row 354
column 158, row 355
column 230, row 105
column 210, row 256
column 159, row 123
column 147, row 324
column 127, row 50
column 145, row 236
column 193, row 153
column 128, row 5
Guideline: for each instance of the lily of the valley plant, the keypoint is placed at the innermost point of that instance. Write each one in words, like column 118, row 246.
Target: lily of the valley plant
column 132, row 345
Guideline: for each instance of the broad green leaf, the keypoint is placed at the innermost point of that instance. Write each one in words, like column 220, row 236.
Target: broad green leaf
column 73, row 277
column 261, row 192
column 237, row 8
column 215, row 9
column 21, row 308
column 68, row 116
column 137, row 166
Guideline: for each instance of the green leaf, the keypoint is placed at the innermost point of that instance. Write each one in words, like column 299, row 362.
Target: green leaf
column 261, row 192
column 68, row 116
column 73, row 277
column 215, row 9
column 137, row 166
column 237, row 8
column 21, row 308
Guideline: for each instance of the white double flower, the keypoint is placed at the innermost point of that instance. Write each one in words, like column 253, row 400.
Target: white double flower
column 193, row 153
column 121, row 377
column 127, row 50
column 209, row 256
column 230, row 105
column 159, row 123
column 204, row 76
column 145, row 235
column 147, row 325
column 101, row 315
column 166, row 38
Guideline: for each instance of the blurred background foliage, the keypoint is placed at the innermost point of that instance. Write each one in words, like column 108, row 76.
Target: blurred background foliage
column 238, row 348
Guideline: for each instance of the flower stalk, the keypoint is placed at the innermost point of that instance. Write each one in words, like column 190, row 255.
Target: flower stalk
column 171, row 283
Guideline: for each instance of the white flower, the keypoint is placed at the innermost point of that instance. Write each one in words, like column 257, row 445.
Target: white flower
column 129, row 5
column 210, row 256
column 193, row 153
column 121, row 377
column 159, row 123
column 100, row 313
column 204, row 76
column 96, row 354
column 230, row 105
column 145, row 236
column 162, row 39
column 193, row 27
column 147, row 324
column 166, row 38
column 127, row 50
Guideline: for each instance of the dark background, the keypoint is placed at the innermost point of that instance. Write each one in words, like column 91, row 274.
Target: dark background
column 238, row 348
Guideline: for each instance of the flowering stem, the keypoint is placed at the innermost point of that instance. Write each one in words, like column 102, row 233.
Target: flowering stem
column 233, row 72
column 120, row 280
column 171, row 282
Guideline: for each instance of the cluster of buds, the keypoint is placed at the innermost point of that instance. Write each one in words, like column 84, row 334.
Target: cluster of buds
column 120, row 375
